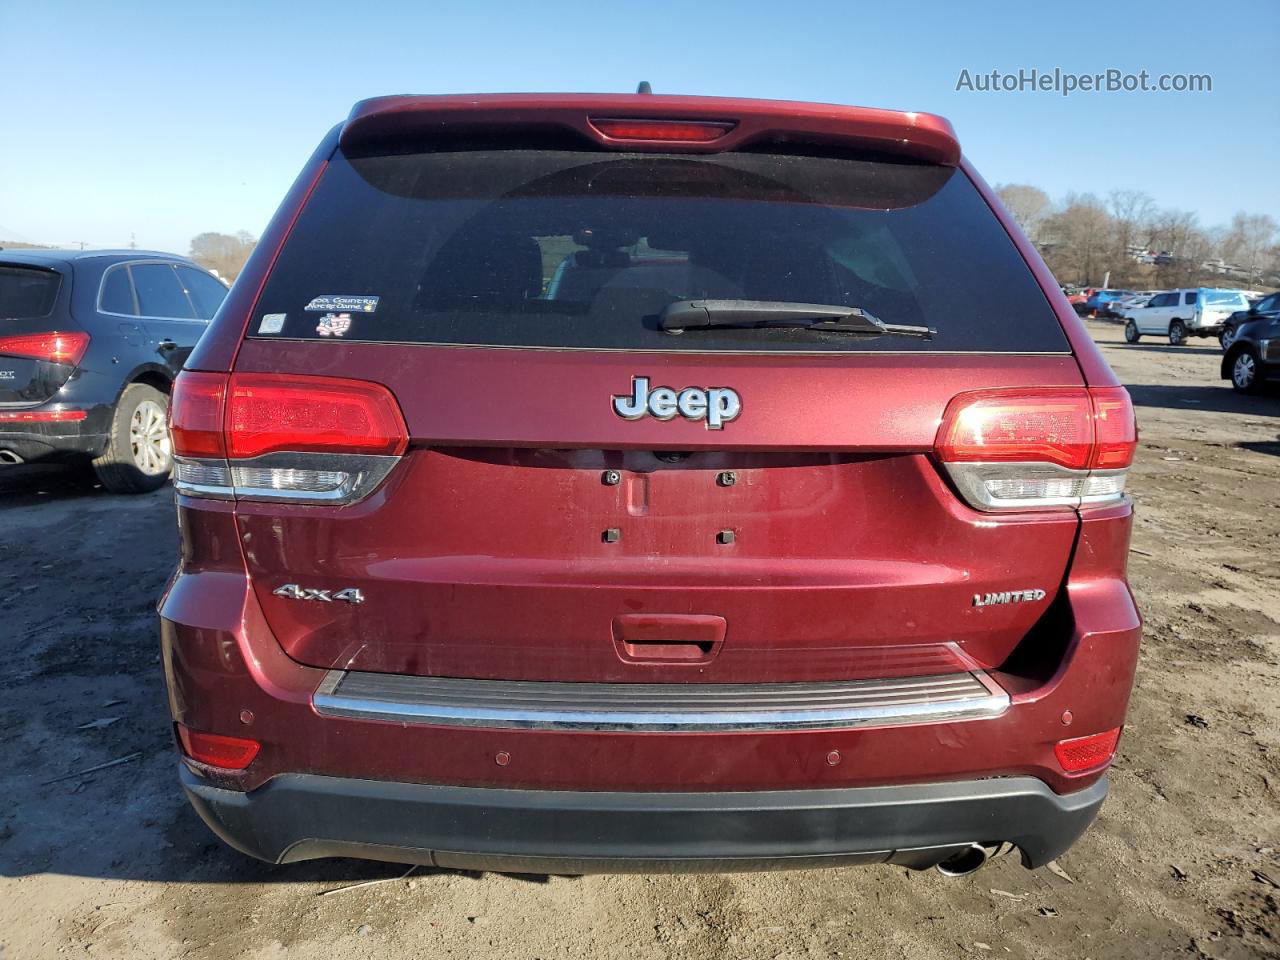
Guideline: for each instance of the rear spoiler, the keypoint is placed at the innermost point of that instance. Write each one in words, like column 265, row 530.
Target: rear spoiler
column 648, row 122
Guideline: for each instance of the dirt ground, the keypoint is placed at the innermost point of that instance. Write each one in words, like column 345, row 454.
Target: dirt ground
column 1182, row 862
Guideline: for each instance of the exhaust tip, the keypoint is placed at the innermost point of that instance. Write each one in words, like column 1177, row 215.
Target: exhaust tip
column 8, row 456
column 965, row 862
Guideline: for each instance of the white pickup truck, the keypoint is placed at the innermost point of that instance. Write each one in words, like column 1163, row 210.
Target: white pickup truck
column 1178, row 314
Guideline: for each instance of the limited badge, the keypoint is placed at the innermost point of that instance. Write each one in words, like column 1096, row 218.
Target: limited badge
column 346, row 303
column 334, row 324
column 272, row 322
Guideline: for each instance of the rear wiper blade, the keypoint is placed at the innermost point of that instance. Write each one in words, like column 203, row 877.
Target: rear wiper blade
column 701, row 314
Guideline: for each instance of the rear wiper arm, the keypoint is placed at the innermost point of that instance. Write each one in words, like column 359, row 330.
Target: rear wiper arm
column 700, row 314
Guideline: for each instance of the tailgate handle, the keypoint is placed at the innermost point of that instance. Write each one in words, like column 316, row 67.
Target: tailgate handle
column 668, row 637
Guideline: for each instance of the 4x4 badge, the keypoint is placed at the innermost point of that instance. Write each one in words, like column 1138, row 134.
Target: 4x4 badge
column 716, row 405
column 291, row 591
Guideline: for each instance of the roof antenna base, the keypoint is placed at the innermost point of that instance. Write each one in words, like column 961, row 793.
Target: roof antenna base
column 644, row 87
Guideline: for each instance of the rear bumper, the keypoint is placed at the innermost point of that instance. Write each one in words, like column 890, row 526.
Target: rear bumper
column 42, row 441
column 390, row 774
column 300, row 817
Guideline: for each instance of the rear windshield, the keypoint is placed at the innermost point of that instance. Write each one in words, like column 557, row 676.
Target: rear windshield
column 27, row 292
column 576, row 249
column 1224, row 296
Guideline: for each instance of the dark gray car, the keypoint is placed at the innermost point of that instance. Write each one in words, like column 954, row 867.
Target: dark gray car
column 90, row 342
column 1253, row 358
column 1268, row 306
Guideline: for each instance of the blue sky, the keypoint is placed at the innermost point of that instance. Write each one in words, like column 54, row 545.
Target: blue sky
column 162, row 120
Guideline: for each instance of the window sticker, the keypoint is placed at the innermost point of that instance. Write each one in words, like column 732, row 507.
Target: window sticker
column 334, row 324
column 349, row 304
column 272, row 322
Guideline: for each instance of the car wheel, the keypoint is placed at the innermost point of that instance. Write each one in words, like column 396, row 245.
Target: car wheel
column 138, row 457
column 1244, row 372
column 1131, row 334
column 1227, row 337
column 1177, row 333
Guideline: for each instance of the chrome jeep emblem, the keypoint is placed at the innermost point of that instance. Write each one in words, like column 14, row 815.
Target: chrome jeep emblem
column 291, row 591
column 1008, row 596
column 715, row 405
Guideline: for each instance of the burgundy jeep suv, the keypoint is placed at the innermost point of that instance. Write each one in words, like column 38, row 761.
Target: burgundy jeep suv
column 582, row 483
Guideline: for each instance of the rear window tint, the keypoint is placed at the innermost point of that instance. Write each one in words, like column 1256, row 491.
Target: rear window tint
column 557, row 248
column 27, row 292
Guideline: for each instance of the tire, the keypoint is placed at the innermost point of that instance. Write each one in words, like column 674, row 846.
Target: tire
column 1246, row 377
column 138, row 457
column 1131, row 334
column 1177, row 333
column 1226, row 338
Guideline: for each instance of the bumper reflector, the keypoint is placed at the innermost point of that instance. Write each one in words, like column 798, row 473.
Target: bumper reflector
column 1085, row 753
column 42, row 416
column 217, row 750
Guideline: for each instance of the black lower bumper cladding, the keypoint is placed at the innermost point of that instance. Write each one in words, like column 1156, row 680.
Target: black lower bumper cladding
column 300, row 817
column 30, row 444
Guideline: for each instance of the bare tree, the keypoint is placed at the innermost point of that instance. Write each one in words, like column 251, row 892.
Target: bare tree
column 1177, row 233
column 1084, row 239
column 1077, row 240
column 1247, row 241
column 223, row 253
column 1131, row 214
column 1271, row 265
column 1028, row 205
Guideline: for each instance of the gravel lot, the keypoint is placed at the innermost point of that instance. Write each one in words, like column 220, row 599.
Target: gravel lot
column 1183, row 861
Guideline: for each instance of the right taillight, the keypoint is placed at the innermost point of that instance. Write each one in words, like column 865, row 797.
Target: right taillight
column 1037, row 448
column 283, row 437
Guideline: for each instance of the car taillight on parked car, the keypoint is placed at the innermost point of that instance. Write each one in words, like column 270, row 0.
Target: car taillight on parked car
column 280, row 437
column 53, row 346
column 1028, row 449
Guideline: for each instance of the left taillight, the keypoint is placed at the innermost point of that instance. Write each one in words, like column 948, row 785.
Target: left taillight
column 195, row 414
column 54, row 346
column 283, row 437
column 1038, row 448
